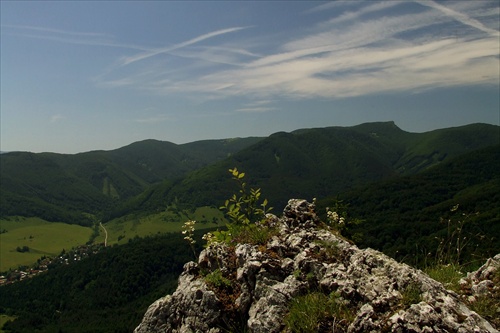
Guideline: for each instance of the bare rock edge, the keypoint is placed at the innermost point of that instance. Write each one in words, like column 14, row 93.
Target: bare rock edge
column 303, row 257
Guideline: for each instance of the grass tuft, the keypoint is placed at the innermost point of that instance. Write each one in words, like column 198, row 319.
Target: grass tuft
column 312, row 312
column 411, row 295
column 449, row 275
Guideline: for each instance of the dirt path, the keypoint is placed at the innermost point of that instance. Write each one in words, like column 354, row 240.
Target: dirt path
column 106, row 232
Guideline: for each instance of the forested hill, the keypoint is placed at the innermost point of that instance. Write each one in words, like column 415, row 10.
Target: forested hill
column 59, row 187
column 148, row 175
column 106, row 292
column 323, row 162
column 408, row 217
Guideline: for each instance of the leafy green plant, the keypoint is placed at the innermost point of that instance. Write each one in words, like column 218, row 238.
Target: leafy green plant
column 216, row 279
column 243, row 210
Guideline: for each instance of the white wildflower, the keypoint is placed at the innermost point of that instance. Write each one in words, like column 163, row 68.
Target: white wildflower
column 188, row 229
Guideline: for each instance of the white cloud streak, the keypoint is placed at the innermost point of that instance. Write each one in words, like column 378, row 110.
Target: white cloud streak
column 145, row 55
column 375, row 49
column 463, row 18
column 70, row 37
column 55, row 31
column 259, row 106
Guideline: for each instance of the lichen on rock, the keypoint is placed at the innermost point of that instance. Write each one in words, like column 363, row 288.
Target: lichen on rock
column 259, row 282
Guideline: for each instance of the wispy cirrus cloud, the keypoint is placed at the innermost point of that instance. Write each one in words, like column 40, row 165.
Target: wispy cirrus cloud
column 151, row 53
column 461, row 17
column 329, row 6
column 258, row 106
column 70, row 37
column 361, row 49
column 54, row 31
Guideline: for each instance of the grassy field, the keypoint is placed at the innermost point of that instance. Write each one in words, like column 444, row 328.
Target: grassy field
column 3, row 320
column 50, row 238
column 122, row 229
column 41, row 237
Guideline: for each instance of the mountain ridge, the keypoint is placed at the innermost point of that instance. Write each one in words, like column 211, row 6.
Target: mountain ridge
column 326, row 161
column 305, row 162
column 93, row 181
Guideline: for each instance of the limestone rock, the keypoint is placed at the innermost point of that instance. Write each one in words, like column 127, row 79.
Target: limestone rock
column 481, row 288
column 259, row 281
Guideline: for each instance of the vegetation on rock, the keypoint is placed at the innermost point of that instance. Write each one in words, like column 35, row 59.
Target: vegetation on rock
column 292, row 284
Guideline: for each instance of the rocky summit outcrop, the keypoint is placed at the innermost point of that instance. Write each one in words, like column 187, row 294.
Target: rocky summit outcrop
column 251, row 287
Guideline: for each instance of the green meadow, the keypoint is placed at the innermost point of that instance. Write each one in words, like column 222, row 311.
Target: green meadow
column 122, row 229
column 41, row 237
column 3, row 319
column 50, row 238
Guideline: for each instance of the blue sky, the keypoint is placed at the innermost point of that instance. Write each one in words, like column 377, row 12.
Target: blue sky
column 88, row 75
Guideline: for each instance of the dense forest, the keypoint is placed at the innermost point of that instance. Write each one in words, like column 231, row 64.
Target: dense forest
column 408, row 217
column 107, row 292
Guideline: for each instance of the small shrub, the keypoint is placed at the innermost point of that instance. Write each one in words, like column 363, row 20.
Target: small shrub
column 244, row 208
column 23, row 249
column 243, row 211
column 217, row 280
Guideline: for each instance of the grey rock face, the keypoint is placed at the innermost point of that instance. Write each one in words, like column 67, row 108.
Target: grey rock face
column 482, row 287
column 300, row 258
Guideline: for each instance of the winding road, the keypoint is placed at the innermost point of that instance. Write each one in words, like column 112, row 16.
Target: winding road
column 106, row 232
